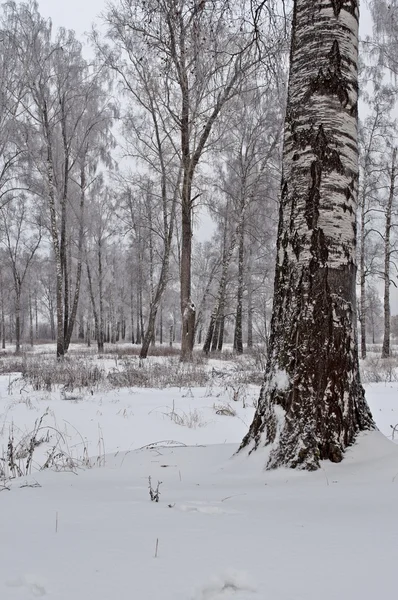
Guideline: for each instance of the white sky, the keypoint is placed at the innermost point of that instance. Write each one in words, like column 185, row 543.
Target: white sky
column 72, row 14
column 80, row 14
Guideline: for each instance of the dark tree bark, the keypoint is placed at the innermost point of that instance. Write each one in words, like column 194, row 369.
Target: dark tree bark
column 70, row 321
column 31, row 335
column 238, row 335
column 385, row 353
column 312, row 404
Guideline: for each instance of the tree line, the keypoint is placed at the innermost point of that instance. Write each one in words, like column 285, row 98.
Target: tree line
column 109, row 159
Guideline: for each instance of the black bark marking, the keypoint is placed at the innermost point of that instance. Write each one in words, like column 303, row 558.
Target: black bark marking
column 312, row 203
column 350, row 6
column 330, row 80
column 327, row 160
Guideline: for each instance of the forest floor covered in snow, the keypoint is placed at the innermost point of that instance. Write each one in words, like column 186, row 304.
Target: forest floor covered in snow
column 85, row 528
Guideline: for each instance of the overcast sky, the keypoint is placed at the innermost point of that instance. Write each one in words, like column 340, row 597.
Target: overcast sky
column 80, row 14
column 72, row 14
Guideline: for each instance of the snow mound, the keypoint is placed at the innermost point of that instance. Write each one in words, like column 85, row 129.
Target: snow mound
column 234, row 585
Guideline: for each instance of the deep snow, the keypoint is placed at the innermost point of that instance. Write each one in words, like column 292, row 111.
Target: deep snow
column 225, row 528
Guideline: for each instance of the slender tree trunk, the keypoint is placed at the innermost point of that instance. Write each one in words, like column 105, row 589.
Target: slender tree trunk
column 17, row 320
column 31, row 335
column 36, row 317
column 187, row 305
column 88, row 333
column 211, row 341
column 138, row 332
column 238, row 336
column 362, row 275
column 385, row 353
column 81, row 335
column 99, row 337
column 216, row 333
column 249, row 304
column 312, row 404
column 101, row 330
column 54, row 236
column 163, row 278
column 221, row 333
column 3, row 320
column 72, row 319
column 63, row 242
column 132, row 313
column 52, row 321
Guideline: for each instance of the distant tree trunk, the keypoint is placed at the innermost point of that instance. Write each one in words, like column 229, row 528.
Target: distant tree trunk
column 81, row 327
column 362, row 276
column 101, row 324
column 36, row 318
column 3, row 321
column 156, row 295
column 249, row 305
column 212, row 335
column 203, row 302
column 312, row 404
column 70, row 322
column 238, row 336
column 161, row 325
column 221, row 333
column 187, row 305
column 138, row 332
column 52, row 322
column 97, row 323
column 132, row 313
column 54, row 235
column 385, row 353
column 17, row 320
column 216, row 334
column 88, row 333
column 31, row 336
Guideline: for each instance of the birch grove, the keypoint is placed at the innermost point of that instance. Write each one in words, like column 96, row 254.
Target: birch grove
column 144, row 173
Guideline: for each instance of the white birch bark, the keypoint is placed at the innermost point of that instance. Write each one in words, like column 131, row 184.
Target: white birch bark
column 312, row 404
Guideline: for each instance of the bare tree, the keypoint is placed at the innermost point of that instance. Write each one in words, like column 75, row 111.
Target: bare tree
column 22, row 237
column 200, row 55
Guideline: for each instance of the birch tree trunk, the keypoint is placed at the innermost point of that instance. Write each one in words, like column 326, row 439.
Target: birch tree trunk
column 99, row 337
column 17, row 319
column 36, row 318
column 312, row 404
column 54, row 235
column 249, row 303
column 72, row 319
column 211, row 341
column 31, row 321
column 362, row 276
column 385, row 353
column 238, row 336
column 3, row 321
column 101, row 330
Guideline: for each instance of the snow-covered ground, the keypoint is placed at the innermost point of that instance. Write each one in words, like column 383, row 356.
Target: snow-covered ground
column 223, row 529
